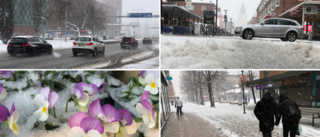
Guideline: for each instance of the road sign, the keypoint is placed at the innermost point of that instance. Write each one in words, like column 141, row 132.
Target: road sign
column 169, row 78
column 139, row 15
column 209, row 16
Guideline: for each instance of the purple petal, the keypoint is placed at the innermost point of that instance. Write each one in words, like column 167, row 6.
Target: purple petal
column 145, row 103
column 4, row 113
column 111, row 113
column 142, row 73
column 90, row 123
column 126, row 118
column 95, row 108
column 94, row 89
column 13, row 108
column 53, row 99
column 76, row 119
column 102, row 86
column 44, row 92
column 5, row 74
column 38, row 83
column 1, row 88
column 78, row 89
column 145, row 96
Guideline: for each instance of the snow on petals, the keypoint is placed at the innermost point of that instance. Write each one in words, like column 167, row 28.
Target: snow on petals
column 85, row 93
column 82, row 125
column 10, row 118
column 45, row 99
column 3, row 93
column 146, row 110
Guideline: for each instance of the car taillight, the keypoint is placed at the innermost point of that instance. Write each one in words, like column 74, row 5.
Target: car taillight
column 121, row 40
column 131, row 40
column 74, row 43
column 9, row 44
column 90, row 44
column 25, row 45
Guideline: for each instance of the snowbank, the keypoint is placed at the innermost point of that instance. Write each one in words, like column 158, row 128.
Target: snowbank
column 236, row 53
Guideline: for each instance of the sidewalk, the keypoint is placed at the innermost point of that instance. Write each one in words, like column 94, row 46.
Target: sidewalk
column 189, row 125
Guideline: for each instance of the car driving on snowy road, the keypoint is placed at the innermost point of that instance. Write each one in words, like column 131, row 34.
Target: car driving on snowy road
column 285, row 29
column 88, row 44
column 28, row 44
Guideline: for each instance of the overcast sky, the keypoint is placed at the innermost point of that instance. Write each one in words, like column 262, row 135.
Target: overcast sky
column 233, row 7
column 143, row 6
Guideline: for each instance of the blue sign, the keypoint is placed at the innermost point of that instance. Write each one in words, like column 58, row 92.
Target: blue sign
column 139, row 15
column 169, row 78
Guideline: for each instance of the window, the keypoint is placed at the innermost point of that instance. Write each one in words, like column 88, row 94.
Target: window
column 272, row 6
column 270, row 22
column 286, row 22
column 203, row 8
column 277, row 3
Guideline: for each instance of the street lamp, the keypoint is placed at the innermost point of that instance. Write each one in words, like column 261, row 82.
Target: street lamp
column 225, row 20
column 138, row 20
column 216, row 16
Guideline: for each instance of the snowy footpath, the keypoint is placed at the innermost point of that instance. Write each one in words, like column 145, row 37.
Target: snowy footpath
column 236, row 53
column 230, row 120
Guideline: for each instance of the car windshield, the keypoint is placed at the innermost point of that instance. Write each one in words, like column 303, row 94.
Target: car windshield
column 126, row 39
column 19, row 40
column 147, row 38
column 83, row 39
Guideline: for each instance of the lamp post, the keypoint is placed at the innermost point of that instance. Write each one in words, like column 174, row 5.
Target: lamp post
column 244, row 108
column 225, row 20
column 216, row 16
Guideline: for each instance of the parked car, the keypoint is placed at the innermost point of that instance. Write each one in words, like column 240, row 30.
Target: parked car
column 147, row 40
column 88, row 44
column 28, row 45
column 48, row 37
column 285, row 29
column 129, row 42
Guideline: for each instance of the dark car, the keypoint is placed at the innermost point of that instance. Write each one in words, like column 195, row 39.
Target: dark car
column 129, row 42
column 28, row 45
column 147, row 40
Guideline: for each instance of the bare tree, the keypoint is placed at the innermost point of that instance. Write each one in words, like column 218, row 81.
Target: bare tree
column 209, row 77
column 200, row 87
column 251, row 75
column 6, row 20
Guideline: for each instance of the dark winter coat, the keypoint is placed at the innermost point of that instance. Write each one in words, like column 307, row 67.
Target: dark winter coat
column 265, row 111
column 284, row 103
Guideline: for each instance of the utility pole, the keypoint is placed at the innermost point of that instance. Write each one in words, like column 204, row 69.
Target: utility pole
column 66, row 21
column 225, row 20
column 216, row 17
column 244, row 108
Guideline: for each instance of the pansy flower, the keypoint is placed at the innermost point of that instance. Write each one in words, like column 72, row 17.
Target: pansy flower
column 150, row 80
column 85, row 93
column 128, row 125
column 5, row 74
column 3, row 93
column 45, row 99
column 100, row 84
column 10, row 118
column 82, row 125
column 146, row 110
column 109, row 116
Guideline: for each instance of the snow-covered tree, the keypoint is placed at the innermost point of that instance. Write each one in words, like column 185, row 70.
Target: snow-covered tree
column 6, row 19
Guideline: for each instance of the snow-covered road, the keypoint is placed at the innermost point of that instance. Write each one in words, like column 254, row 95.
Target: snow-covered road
column 236, row 53
column 233, row 123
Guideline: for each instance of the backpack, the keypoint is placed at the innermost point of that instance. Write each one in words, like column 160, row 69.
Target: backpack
column 292, row 111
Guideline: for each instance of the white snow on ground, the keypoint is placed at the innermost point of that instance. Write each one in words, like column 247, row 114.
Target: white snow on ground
column 236, row 53
column 233, row 123
column 152, row 63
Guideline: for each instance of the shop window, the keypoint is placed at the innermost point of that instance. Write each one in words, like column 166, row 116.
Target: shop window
column 277, row 3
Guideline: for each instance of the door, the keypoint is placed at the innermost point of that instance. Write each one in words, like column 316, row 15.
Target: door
column 283, row 26
column 267, row 28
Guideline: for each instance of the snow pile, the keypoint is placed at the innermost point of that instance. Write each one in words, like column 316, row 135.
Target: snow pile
column 232, row 122
column 236, row 53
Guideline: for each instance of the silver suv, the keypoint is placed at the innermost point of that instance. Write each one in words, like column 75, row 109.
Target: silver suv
column 285, row 29
column 88, row 44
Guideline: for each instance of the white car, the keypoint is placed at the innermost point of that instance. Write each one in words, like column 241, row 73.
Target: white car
column 285, row 29
column 88, row 44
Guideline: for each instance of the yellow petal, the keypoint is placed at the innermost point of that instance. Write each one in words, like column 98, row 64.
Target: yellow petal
column 132, row 128
column 76, row 132
column 15, row 128
column 141, row 80
column 84, row 100
column 112, row 127
column 15, row 116
column 140, row 108
column 93, row 133
column 148, row 119
column 3, row 94
column 83, row 109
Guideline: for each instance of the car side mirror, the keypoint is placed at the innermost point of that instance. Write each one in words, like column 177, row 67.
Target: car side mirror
column 262, row 23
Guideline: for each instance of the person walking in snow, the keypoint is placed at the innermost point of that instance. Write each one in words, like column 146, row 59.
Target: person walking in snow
column 266, row 111
column 291, row 115
column 179, row 105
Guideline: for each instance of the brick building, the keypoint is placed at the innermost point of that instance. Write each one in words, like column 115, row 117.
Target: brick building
column 300, row 86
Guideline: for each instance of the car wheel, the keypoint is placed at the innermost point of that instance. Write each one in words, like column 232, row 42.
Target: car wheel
column 284, row 39
column 50, row 51
column 292, row 36
column 75, row 53
column 35, row 52
column 247, row 34
column 104, row 49
column 94, row 53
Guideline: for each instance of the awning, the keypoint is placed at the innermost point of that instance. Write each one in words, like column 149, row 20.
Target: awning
column 296, row 11
column 176, row 11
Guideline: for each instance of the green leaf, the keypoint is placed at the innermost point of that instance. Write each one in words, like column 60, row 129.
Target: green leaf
column 137, row 119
